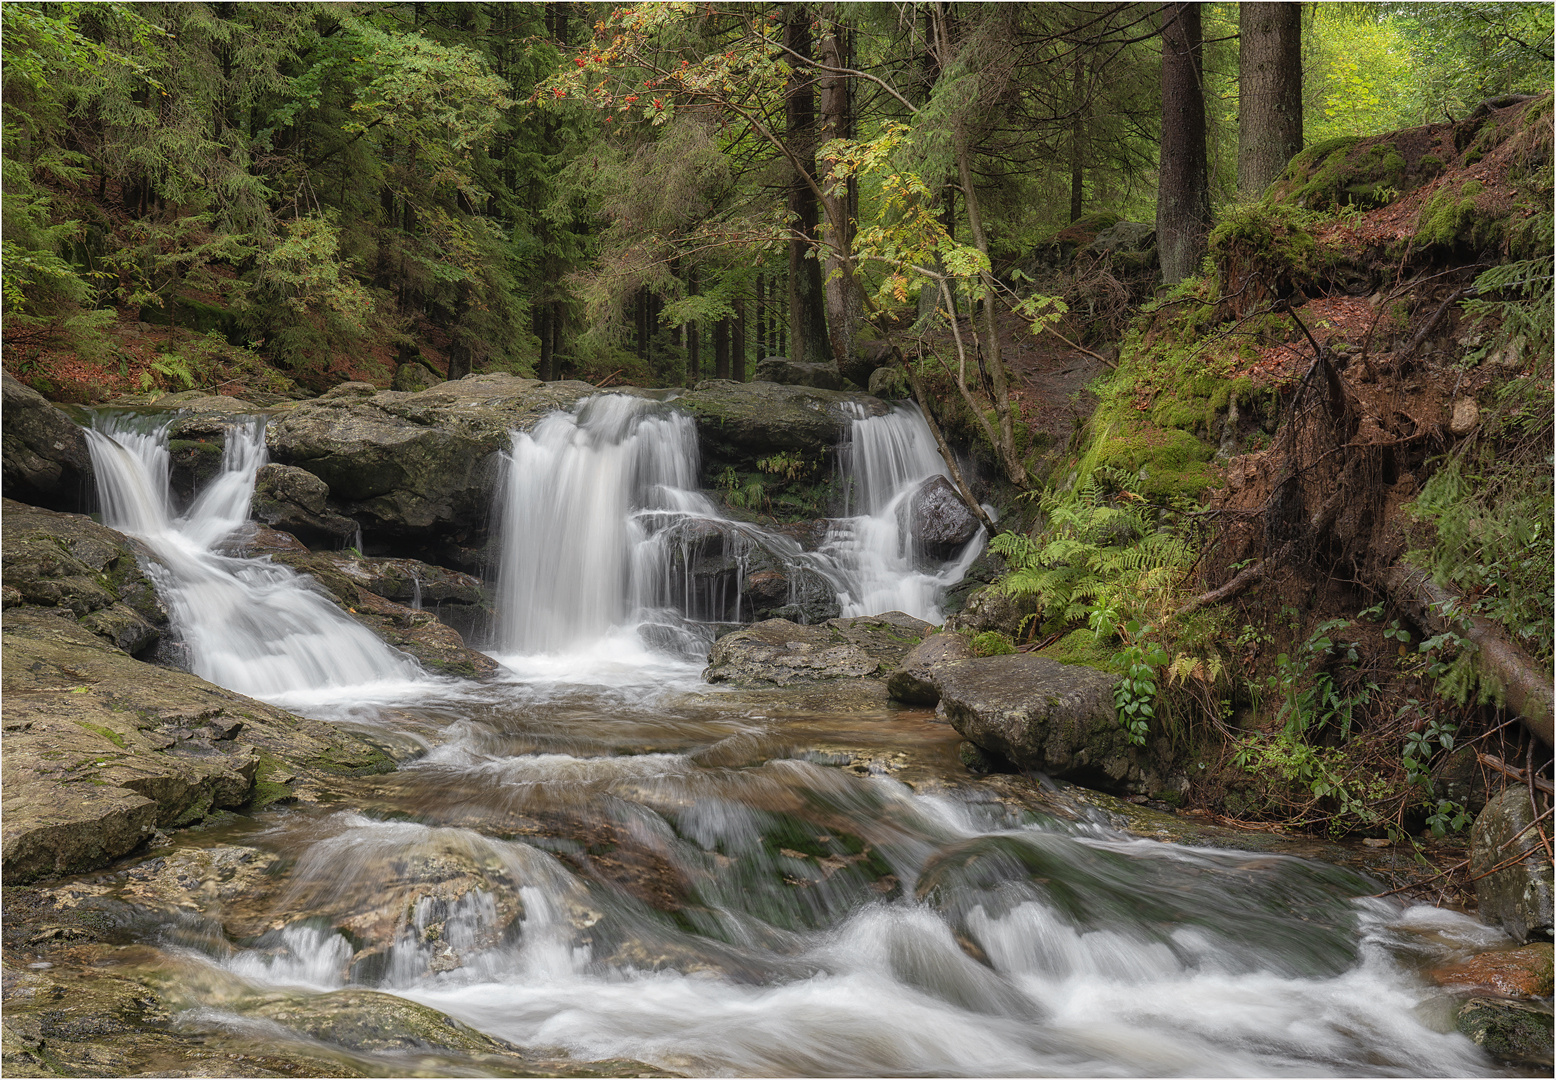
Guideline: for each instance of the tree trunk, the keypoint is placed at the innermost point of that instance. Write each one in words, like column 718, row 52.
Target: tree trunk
column 543, row 316
column 1183, row 195
column 1078, row 138
column 721, row 349
column 1269, row 112
column 693, row 336
column 737, row 345
column 844, row 297
column 807, row 302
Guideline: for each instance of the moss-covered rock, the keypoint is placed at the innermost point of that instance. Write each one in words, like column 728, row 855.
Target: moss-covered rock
column 43, row 451
column 781, row 653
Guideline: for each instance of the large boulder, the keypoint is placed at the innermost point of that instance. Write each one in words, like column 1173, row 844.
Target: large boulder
column 415, row 465
column 992, row 608
column 43, row 451
column 937, row 518
column 100, row 749
column 296, row 501
column 81, row 571
column 742, row 422
column 778, row 652
column 1518, row 896
column 780, row 369
column 1040, row 714
column 913, row 680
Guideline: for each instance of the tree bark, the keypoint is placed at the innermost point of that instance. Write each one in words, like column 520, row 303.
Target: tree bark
column 807, row 301
column 1078, row 138
column 721, row 349
column 844, row 297
column 737, row 344
column 543, row 331
column 1269, row 111
column 1183, row 193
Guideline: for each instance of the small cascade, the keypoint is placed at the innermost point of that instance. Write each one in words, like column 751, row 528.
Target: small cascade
column 248, row 624
column 603, row 532
column 885, row 461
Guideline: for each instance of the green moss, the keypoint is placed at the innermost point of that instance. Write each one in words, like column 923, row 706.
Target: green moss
column 112, row 736
column 1080, row 647
column 267, row 790
column 197, row 810
column 992, row 643
column 1452, row 219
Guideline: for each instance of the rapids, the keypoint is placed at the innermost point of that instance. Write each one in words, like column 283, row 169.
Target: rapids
column 597, row 854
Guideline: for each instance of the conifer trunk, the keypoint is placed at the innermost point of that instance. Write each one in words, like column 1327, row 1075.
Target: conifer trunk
column 1183, row 195
column 1269, row 112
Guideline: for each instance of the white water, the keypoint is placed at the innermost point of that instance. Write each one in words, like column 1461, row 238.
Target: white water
column 970, row 945
column 602, row 519
column 248, row 624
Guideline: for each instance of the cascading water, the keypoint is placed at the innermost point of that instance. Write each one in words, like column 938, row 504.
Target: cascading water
column 620, row 872
column 885, row 460
column 602, row 518
column 248, row 624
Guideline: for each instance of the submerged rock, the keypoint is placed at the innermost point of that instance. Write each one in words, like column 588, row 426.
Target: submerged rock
column 781, row 653
column 1518, row 897
column 43, row 451
column 1513, row 1032
column 1040, row 714
column 913, row 681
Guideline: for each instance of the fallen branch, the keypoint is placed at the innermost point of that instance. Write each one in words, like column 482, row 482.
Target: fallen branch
column 1526, row 685
column 917, row 386
column 1248, row 576
column 1491, row 761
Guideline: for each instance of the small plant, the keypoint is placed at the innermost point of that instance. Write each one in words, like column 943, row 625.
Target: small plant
column 992, row 643
column 1135, row 695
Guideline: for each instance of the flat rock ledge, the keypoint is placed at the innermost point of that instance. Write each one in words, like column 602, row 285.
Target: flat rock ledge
column 781, row 653
column 1040, row 714
column 100, row 750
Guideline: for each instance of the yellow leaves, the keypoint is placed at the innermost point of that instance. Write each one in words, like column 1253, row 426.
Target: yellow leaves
column 899, row 288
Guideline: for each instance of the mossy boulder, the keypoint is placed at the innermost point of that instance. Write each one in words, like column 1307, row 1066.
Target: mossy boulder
column 741, row 423
column 44, row 453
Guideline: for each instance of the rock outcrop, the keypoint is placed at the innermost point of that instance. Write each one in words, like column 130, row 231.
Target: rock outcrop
column 1518, row 896
column 778, row 652
column 1040, row 714
column 742, row 422
column 43, row 451
column 418, row 466
column 913, row 681
column 780, row 369
column 296, row 501
column 101, row 749
column 81, row 571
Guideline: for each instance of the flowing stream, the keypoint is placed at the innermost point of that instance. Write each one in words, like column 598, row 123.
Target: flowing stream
column 598, row 855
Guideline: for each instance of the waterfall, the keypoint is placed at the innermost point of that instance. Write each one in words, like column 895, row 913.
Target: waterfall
column 250, row 625
column 603, row 533
column 885, row 461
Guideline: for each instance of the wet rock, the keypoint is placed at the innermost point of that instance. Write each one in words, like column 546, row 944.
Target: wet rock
column 43, row 451
column 937, row 518
column 296, row 501
column 74, row 567
column 410, row 579
column 992, row 608
column 986, row 568
column 414, row 465
column 1517, row 897
column 912, row 682
column 786, row 372
column 742, row 422
column 100, row 749
column 348, row 582
column 779, row 652
column 1513, row 1032
column 1524, row 972
column 1041, row 714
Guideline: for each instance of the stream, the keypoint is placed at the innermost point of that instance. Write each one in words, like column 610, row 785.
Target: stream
column 597, row 855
